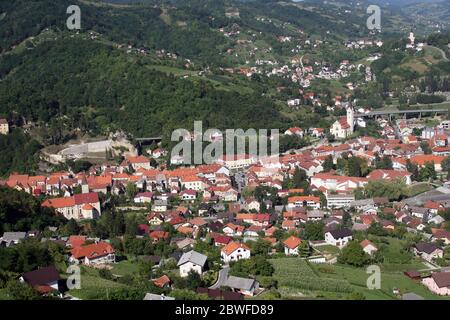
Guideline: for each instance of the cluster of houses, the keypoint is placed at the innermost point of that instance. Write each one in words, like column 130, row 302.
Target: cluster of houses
column 209, row 202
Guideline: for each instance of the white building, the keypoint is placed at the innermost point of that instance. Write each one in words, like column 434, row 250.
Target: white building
column 339, row 200
column 191, row 261
column 234, row 251
column 344, row 127
column 338, row 237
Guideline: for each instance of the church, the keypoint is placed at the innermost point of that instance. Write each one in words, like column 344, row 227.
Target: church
column 344, row 127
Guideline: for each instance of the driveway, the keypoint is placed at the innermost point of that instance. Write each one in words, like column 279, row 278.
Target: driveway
column 223, row 276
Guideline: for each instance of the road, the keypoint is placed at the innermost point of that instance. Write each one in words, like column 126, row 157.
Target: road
column 223, row 276
column 441, row 51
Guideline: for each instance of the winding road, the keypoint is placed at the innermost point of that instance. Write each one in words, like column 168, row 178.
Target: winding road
column 441, row 51
column 223, row 276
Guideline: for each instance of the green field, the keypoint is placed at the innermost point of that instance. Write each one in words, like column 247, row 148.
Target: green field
column 125, row 267
column 298, row 279
column 94, row 287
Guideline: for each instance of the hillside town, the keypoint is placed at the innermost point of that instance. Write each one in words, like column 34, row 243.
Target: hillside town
column 312, row 203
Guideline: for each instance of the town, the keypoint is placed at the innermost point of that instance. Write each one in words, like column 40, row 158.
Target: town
column 119, row 179
column 200, row 229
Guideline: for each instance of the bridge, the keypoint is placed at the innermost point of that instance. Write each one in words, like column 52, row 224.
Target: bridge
column 140, row 140
column 390, row 113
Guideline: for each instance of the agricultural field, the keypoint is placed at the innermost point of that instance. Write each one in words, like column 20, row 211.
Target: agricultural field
column 298, row 279
column 93, row 286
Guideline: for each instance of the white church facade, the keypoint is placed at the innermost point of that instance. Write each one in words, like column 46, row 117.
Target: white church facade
column 344, row 127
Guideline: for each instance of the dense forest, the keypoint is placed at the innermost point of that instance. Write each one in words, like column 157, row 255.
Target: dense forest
column 18, row 153
column 20, row 211
column 96, row 87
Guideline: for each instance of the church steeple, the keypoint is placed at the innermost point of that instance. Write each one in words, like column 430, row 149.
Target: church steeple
column 350, row 116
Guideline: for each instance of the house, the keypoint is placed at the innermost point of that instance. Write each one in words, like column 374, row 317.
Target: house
column 155, row 218
column 383, row 174
column 418, row 212
column 43, row 280
column 303, row 201
column 238, row 161
column 4, row 126
column 160, row 205
column 243, row 285
column 92, row 254
column 12, row 238
column 338, row 237
column 143, row 197
column 428, row 251
column 138, row 162
column 440, row 234
column 295, row 131
column 368, row 247
column 76, row 241
column 291, row 245
column 162, row 282
column 438, row 283
column 191, row 261
column 258, row 219
column 218, row 294
column 232, row 229
column 339, row 200
column 221, row 240
column 234, row 251
column 158, row 235
column 315, row 215
column 79, row 206
column 188, row 195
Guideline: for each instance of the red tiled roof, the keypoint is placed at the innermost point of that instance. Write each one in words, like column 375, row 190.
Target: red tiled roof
column 292, row 242
column 91, row 251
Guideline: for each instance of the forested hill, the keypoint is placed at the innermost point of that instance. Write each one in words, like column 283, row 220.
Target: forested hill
column 97, row 86
column 189, row 28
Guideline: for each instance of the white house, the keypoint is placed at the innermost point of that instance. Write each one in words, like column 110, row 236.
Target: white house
column 368, row 247
column 338, row 237
column 439, row 283
column 191, row 261
column 92, row 254
column 143, row 197
column 291, row 245
column 234, row 251
column 243, row 285
column 428, row 251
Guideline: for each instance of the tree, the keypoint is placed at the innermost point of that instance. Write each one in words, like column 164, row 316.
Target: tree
column 131, row 190
column 445, row 164
column 304, row 250
column 260, row 247
column 413, row 169
column 313, row 230
column 393, row 189
column 300, row 179
column 353, row 254
column 427, row 172
column 347, row 219
column 20, row 291
column 384, row 163
column 72, row 227
column 425, row 147
column 328, row 164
